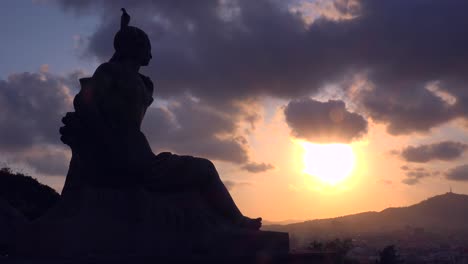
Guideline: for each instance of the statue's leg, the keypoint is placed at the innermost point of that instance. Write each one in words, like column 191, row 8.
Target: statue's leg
column 214, row 190
column 216, row 194
column 173, row 173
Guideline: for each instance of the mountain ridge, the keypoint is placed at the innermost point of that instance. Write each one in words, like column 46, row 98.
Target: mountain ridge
column 445, row 212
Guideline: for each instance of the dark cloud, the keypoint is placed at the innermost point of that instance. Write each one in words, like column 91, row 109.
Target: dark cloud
column 414, row 61
column 254, row 167
column 187, row 126
column 445, row 150
column 459, row 173
column 418, row 174
column 415, row 109
column 31, row 107
column 225, row 50
column 414, row 175
column 324, row 122
column 213, row 50
column 410, row 181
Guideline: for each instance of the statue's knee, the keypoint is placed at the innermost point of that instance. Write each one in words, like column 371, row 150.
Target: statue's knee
column 206, row 168
column 206, row 164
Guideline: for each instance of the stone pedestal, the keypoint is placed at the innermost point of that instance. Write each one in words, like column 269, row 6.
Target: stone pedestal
column 103, row 223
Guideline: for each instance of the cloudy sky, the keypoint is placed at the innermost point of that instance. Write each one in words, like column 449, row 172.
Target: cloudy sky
column 308, row 108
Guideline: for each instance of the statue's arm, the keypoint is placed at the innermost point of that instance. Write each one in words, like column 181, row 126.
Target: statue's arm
column 150, row 87
column 102, row 78
column 148, row 83
column 110, row 99
column 113, row 111
column 87, row 120
column 103, row 83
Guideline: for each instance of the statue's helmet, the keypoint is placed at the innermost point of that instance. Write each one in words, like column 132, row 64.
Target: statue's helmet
column 131, row 41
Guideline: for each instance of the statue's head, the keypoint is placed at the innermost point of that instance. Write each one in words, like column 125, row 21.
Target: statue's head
column 131, row 43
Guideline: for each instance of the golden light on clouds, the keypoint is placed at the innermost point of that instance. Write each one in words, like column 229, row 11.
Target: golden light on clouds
column 330, row 163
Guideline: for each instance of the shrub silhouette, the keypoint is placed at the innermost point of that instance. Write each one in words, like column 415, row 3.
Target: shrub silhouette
column 389, row 256
column 26, row 194
column 340, row 248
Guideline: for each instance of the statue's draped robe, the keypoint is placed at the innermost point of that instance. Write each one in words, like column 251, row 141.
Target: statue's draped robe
column 111, row 152
column 108, row 142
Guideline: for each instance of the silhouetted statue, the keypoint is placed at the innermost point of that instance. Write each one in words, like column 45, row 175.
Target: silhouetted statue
column 170, row 204
column 105, row 133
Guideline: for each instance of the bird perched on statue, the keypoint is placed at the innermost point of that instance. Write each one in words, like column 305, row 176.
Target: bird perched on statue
column 125, row 20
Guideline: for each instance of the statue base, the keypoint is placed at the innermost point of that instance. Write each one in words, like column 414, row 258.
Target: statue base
column 103, row 223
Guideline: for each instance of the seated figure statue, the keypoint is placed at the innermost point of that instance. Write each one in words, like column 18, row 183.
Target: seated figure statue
column 120, row 199
column 105, row 137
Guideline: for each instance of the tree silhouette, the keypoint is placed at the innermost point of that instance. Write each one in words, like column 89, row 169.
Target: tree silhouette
column 389, row 256
column 26, row 194
column 339, row 247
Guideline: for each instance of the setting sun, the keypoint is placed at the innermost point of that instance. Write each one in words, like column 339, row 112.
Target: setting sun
column 331, row 163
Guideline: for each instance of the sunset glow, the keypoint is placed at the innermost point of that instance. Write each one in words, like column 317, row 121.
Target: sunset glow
column 331, row 163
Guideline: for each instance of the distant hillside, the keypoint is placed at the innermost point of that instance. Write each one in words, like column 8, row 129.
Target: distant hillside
column 26, row 194
column 284, row 222
column 447, row 212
